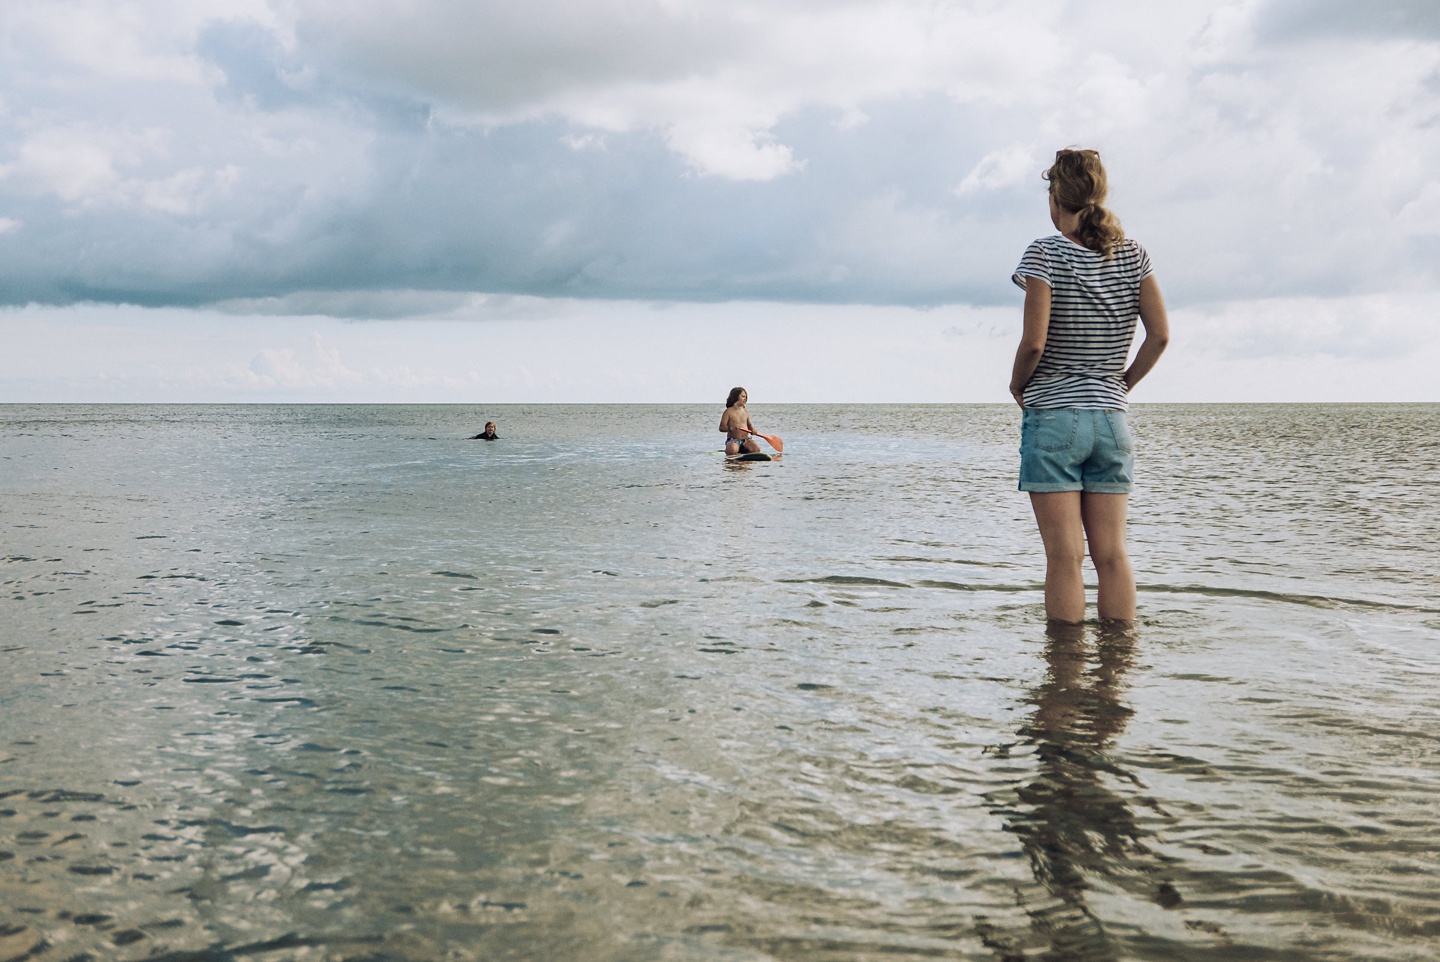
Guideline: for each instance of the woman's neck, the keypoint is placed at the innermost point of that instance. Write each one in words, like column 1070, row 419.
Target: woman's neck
column 1065, row 221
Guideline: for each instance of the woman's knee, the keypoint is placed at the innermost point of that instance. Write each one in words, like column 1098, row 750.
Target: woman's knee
column 1065, row 555
column 1110, row 558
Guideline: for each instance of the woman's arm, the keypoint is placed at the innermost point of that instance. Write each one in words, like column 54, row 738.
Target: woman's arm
column 1032, row 339
column 1157, row 332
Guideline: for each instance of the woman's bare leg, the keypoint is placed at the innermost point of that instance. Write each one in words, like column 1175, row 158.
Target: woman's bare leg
column 1063, row 531
column 1104, row 519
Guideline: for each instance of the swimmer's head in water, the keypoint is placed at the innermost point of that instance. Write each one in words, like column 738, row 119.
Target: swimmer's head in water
column 736, row 393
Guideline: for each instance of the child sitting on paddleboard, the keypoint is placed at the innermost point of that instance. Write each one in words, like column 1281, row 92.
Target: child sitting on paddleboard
column 735, row 422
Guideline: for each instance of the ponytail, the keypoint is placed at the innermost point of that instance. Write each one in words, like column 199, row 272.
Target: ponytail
column 1079, row 185
column 1099, row 230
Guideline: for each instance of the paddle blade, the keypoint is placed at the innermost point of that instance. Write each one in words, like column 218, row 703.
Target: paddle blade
column 775, row 441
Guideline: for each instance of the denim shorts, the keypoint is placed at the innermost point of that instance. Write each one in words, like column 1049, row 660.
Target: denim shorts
column 1074, row 449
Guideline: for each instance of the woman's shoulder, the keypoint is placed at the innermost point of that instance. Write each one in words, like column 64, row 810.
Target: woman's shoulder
column 1048, row 242
column 1041, row 250
column 1057, row 246
column 1135, row 253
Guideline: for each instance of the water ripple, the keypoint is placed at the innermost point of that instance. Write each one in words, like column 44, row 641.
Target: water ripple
column 319, row 683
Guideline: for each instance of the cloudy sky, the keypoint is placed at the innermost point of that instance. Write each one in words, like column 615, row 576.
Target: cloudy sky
column 652, row 200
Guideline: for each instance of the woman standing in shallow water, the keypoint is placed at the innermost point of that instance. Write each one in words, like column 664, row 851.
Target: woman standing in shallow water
column 1084, row 289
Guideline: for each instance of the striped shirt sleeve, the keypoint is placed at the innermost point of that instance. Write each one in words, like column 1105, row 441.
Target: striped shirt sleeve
column 1034, row 263
column 1145, row 270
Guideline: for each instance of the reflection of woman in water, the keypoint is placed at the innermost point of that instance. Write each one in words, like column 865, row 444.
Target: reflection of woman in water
column 1084, row 288
column 488, row 434
column 1075, row 816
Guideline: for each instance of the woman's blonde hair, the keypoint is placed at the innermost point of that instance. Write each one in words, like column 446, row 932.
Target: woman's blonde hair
column 1078, row 184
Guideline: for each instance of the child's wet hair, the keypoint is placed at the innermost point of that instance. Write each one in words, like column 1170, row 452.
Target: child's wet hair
column 735, row 393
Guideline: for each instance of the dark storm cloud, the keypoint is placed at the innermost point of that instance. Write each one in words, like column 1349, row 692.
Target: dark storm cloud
column 516, row 210
column 505, row 55
column 789, row 151
column 1292, row 20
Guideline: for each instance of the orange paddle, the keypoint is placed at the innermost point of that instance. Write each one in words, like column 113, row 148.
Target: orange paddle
column 772, row 439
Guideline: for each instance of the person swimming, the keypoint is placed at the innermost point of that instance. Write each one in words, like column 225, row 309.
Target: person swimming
column 486, row 435
column 735, row 422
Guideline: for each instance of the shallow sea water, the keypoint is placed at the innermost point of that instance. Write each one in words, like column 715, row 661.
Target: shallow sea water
column 305, row 683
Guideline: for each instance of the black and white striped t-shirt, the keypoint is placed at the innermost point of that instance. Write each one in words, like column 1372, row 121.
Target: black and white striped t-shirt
column 1094, row 305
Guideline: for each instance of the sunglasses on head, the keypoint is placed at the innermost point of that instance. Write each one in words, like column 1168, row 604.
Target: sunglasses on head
column 1066, row 151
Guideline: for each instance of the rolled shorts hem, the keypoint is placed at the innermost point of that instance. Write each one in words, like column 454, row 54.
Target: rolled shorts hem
column 1098, row 487
column 1049, row 487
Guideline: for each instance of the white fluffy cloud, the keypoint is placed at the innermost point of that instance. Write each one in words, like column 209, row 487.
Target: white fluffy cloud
column 1007, row 167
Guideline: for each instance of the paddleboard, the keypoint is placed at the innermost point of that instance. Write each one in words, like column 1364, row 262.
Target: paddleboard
column 749, row 456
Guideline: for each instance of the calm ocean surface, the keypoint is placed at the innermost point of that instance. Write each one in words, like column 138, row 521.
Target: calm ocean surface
column 331, row 683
